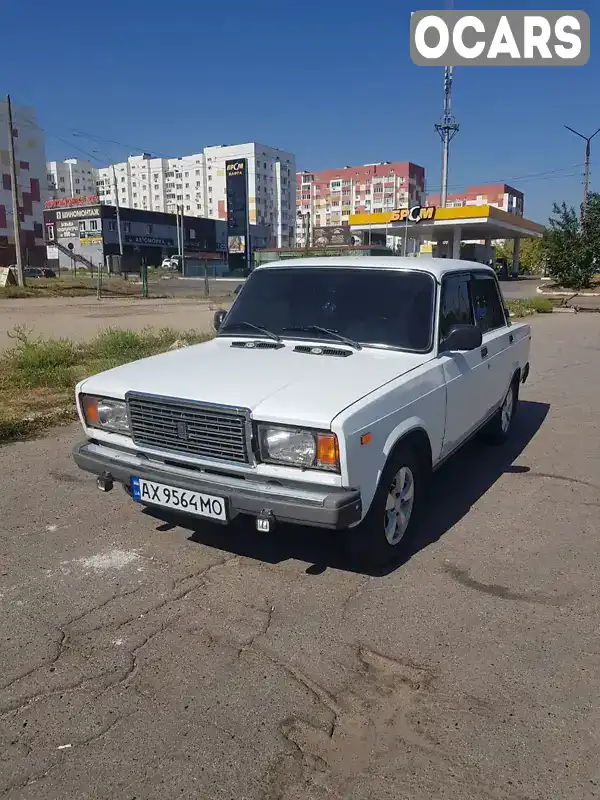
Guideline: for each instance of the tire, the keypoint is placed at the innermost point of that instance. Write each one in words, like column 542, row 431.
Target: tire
column 382, row 537
column 498, row 429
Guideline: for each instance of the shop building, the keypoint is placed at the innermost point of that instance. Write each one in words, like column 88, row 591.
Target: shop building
column 84, row 231
column 87, row 233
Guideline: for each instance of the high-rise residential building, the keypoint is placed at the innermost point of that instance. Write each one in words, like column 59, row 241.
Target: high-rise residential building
column 72, row 177
column 30, row 156
column 155, row 184
column 197, row 182
column 270, row 187
column 500, row 195
column 329, row 197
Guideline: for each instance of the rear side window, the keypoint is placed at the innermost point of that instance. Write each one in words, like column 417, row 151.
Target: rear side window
column 456, row 306
column 489, row 311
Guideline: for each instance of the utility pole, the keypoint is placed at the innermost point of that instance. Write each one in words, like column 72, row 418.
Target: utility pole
column 182, row 244
column 177, row 228
column 586, row 174
column 15, row 195
column 447, row 129
column 124, row 273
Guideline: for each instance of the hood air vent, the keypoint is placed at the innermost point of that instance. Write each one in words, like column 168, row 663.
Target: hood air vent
column 258, row 345
column 315, row 350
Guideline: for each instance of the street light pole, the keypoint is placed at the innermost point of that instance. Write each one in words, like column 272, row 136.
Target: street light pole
column 15, row 195
column 118, row 219
column 586, row 174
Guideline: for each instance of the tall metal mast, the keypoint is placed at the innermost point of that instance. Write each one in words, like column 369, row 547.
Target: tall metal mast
column 447, row 129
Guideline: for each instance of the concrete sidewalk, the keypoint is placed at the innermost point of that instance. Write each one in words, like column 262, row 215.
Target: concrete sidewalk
column 584, row 301
column 84, row 317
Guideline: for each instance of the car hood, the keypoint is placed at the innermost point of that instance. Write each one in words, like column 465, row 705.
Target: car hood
column 276, row 385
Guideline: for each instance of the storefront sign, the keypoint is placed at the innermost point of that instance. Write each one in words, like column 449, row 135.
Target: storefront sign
column 236, row 168
column 78, row 213
column 7, row 277
column 68, row 229
column 331, row 236
column 237, row 244
column 66, row 202
column 236, row 186
column 95, row 238
column 151, row 241
column 414, row 214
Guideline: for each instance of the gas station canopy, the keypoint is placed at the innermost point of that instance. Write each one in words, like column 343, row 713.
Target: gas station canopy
column 452, row 225
column 441, row 224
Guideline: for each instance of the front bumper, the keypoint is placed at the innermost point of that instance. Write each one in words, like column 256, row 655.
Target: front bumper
column 318, row 506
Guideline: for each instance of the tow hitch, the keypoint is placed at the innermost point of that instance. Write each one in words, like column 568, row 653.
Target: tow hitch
column 265, row 522
column 105, row 482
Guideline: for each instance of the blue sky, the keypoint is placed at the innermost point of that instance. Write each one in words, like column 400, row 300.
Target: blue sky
column 331, row 82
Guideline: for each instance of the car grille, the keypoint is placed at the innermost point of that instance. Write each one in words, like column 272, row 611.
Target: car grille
column 216, row 433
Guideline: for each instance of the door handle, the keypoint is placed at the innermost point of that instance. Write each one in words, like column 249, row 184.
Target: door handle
column 511, row 338
column 484, row 352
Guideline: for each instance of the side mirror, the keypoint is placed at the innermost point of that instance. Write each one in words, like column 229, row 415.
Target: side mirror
column 462, row 337
column 218, row 318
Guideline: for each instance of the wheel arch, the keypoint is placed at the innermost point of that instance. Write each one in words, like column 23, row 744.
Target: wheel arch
column 411, row 434
column 418, row 440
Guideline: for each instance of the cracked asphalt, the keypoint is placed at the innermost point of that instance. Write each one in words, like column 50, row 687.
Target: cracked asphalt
column 143, row 659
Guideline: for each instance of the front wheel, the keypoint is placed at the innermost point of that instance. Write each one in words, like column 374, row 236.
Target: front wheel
column 382, row 537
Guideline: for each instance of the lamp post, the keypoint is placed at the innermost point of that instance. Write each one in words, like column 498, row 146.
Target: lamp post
column 586, row 174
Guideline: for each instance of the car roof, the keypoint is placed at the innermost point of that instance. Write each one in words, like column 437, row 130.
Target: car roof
column 433, row 266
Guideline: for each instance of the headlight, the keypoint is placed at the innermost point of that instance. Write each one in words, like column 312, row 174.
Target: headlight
column 101, row 412
column 299, row 448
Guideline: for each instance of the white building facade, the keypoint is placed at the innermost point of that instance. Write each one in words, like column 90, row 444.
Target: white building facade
column 197, row 182
column 32, row 192
column 271, row 187
column 72, row 177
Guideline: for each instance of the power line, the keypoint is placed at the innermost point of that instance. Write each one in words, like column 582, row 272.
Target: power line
column 181, row 162
column 522, row 178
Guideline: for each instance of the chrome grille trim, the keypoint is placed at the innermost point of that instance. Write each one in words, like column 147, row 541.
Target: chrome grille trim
column 172, row 425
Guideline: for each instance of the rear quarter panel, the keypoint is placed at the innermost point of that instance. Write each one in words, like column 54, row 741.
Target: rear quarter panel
column 413, row 401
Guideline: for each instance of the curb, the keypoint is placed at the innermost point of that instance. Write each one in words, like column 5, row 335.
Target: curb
column 540, row 290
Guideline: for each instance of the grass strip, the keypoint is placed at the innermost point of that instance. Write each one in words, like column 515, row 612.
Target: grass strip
column 38, row 376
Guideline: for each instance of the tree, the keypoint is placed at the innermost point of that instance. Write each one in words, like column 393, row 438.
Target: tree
column 572, row 244
column 531, row 255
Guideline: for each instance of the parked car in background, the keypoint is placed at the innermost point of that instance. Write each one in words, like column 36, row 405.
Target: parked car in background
column 333, row 389
column 39, row 272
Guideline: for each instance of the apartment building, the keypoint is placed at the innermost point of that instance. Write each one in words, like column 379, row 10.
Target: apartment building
column 500, row 195
column 198, row 183
column 30, row 153
column 329, row 197
column 155, row 184
column 72, row 177
column 270, row 187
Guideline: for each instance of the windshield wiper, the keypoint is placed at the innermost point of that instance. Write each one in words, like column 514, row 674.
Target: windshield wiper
column 328, row 331
column 244, row 324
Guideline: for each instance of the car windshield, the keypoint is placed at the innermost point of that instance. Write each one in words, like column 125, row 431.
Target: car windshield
column 392, row 308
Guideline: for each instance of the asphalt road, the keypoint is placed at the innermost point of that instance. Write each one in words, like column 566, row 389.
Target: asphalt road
column 85, row 317
column 140, row 660
column 521, row 289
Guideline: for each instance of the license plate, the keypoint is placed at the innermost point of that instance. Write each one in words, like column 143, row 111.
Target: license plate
column 158, row 494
